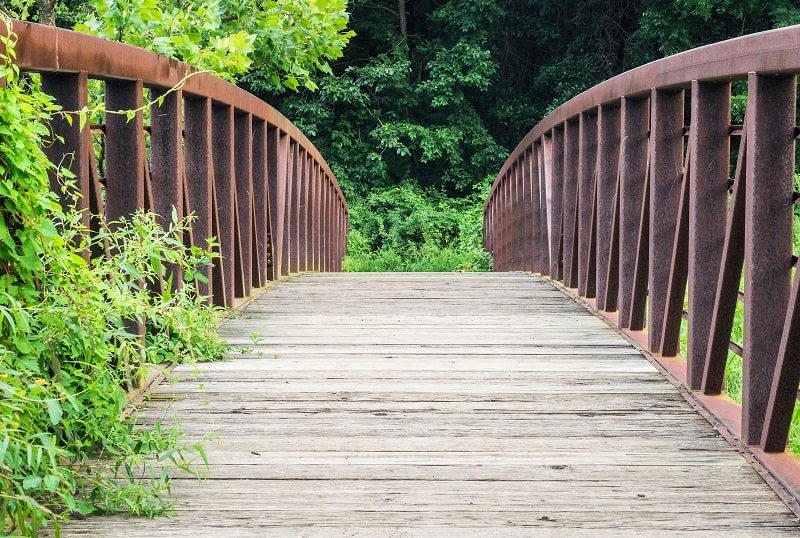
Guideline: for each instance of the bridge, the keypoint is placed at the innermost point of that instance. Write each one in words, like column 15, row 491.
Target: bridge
column 547, row 395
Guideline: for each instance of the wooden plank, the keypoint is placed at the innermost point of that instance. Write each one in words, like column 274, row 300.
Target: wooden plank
column 441, row 405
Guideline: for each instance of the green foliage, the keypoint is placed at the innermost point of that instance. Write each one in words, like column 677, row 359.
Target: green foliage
column 377, row 128
column 65, row 349
column 276, row 43
column 671, row 26
column 794, row 431
column 404, row 228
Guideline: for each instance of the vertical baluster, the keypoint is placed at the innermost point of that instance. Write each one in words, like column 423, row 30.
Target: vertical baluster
column 125, row 159
column 316, row 207
column 335, row 208
column 166, row 162
column 278, row 149
column 325, row 223
column 288, row 214
column 608, row 148
column 74, row 151
column 783, row 396
column 332, row 201
column 768, row 238
column 331, row 231
column 303, row 214
column 500, row 234
column 611, row 297
column 679, row 269
column 556, row 159
column 570, row 208
column 510, row 224
column 125, row 162
column 491, row 232
column 505, row 224
column 508, row 216
column 536, row 219
column 243, row 152
column 641, row 266
column 727, row 284
column 587, row 164
column 519, row 229
column 591, row 264
column 501, row 254
column 544, row 226
column 294, row 207
column 709, row 144
column 199, row 176
column 341, row 241
column 509, row 220
column 343, row 233
column 666, row 175
column 525, row 208
column 633, row 177
column 224, row 207
column 487, row 227
column 260, row 227
column 498, row 220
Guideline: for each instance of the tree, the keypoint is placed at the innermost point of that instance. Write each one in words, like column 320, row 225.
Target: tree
column 276, row 44
column 670, row 26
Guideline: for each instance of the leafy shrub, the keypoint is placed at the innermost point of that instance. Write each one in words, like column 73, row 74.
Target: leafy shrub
column 406, row 228
column 65, row 349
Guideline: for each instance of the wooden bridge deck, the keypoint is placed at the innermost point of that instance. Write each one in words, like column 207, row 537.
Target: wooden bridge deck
column 444, row 405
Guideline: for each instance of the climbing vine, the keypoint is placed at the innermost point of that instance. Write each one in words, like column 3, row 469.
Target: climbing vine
column 65, row 351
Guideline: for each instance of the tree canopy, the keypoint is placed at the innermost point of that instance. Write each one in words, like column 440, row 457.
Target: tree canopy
column 417, row 96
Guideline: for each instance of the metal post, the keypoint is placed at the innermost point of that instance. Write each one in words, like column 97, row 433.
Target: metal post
column 709, row 144
column 768, row 238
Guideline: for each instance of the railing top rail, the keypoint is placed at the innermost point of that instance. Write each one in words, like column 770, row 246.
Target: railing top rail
column 47, row 49
column 773, row 51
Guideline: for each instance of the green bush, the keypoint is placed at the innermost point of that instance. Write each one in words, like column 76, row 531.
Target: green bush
column 406, row 228
column 65, row 350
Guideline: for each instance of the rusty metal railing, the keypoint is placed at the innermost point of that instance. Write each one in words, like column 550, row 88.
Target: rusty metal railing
column 252, row 179
column 625, row 194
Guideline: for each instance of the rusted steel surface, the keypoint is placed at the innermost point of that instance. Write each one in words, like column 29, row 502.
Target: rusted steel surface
column 210, row 149
column 709, row 143
column 771, row 129
column 587, row 160
column 608, row 140
column 642, row 215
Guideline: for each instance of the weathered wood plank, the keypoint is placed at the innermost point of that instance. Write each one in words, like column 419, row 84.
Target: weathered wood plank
column 438, row 405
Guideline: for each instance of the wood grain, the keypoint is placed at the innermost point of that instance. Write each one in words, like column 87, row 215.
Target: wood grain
column 439, row 405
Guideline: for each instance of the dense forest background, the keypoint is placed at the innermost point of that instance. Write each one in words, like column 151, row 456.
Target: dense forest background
column 430, row 97
column 418, row 109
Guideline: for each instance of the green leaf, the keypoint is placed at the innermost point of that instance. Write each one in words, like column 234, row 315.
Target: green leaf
column 55, row 411
column 51, row 483
column 85, row 508
column 32, row 482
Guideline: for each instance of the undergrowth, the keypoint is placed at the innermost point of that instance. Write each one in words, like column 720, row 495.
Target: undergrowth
column 66, row 352
column 406, row 228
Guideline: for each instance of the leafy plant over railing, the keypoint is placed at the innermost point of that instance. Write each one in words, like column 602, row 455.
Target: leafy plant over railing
column 63, row 337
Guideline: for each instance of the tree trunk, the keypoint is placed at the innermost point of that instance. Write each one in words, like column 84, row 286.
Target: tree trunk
column 47, row 12
column 401, row 13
